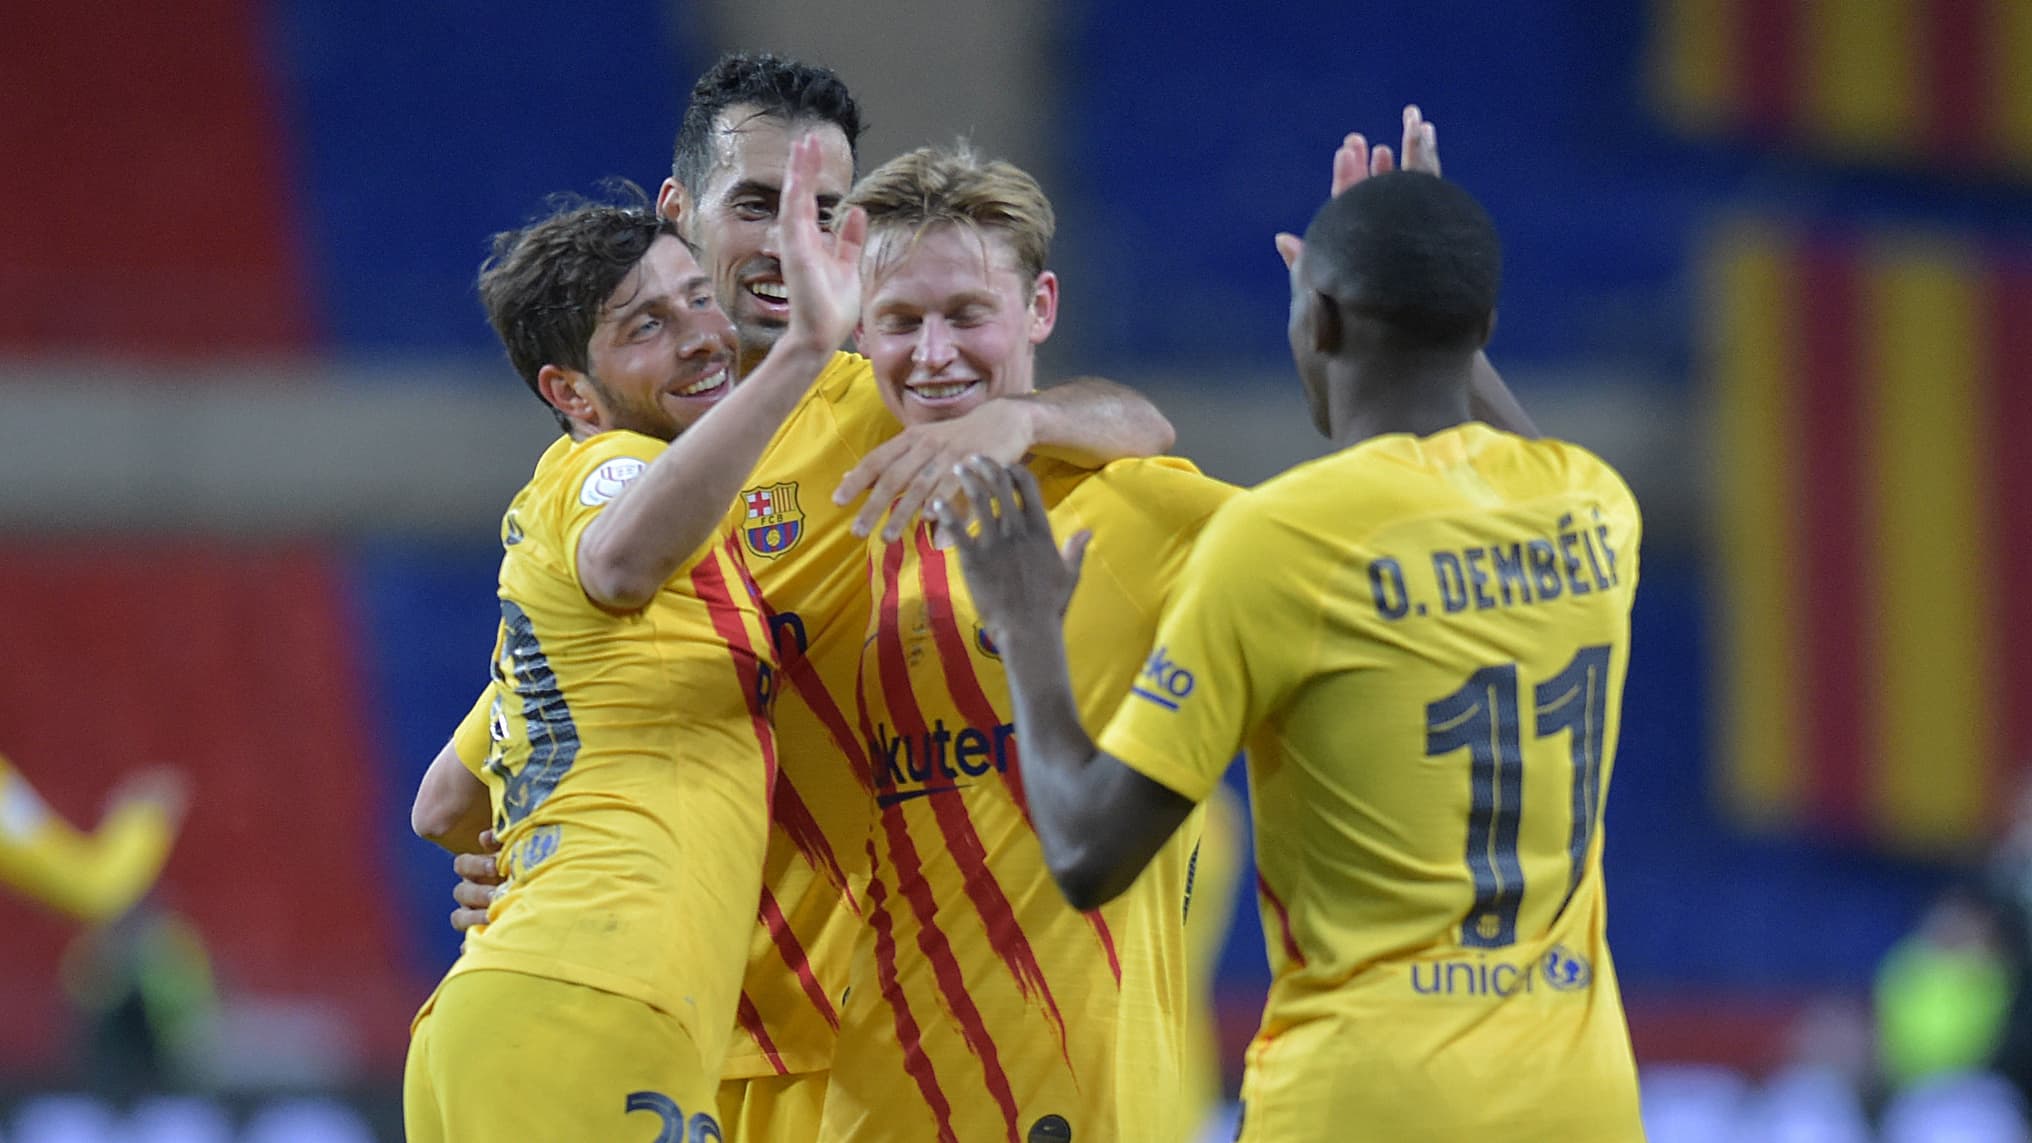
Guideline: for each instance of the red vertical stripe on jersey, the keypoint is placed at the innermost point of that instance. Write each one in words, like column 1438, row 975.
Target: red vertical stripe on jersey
column 804, row 679
column 915, row 1061
column 751, row 1023
column 789, row 809
column 1832, row 516
column 1957, row 71
column 802, row 828
column 2010, row 426
column 931, row 939
column 1291, row 950
column 1100, row 925
column 964, row 683
column 711, row 585
column 772, row 918
column 1770, row 55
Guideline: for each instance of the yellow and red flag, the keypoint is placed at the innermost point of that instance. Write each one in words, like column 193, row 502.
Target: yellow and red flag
column 1904, row 81
column 1873, row 400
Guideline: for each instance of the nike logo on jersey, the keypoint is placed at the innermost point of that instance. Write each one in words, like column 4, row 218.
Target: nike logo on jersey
column 906, row 795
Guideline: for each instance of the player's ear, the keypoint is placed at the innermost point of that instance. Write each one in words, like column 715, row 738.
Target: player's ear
column 673, row 201
column 1323, row 322
column 567, row 392
column 1043, row 307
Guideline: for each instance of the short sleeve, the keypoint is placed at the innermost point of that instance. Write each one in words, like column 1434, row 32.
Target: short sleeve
column 600, row 470
column 1229, row 644
column 1151, row 512
column 860, row 416
column 474, row 738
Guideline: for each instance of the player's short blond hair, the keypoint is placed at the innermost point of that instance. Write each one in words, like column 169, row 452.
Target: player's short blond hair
column 954, row 186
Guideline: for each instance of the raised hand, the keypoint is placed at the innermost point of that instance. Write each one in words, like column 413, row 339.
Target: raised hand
column 821, row 270
column 1355, row 160
column 1003, row 535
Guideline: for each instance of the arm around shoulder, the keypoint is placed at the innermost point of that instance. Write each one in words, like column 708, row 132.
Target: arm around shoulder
column 1090, row 421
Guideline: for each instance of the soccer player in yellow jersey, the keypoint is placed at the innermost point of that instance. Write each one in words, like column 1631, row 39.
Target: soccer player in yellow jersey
column 93, row 877
column 1421, row 639
column 632, row 753
column 725, row 188
column 801, row 547
column 980, row 1006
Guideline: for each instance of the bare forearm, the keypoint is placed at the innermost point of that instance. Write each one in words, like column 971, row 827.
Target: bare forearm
column 1090, row 421
column 1491, row 401
column 1057, row 753
column 452, row 806
column 677, row 504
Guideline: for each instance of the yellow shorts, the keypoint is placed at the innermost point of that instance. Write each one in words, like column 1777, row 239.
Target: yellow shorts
column 1299, row 1090
column 773, row 1109
column 504, row 1055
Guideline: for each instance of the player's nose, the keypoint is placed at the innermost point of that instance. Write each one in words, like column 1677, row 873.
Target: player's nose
column 934, row 348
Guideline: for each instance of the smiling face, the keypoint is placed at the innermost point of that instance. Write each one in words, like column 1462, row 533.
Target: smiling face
column 662, row 353
column 950, row 320
column 734, row 218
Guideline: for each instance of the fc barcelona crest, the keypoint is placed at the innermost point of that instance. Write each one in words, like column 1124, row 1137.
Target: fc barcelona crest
column 771, row 523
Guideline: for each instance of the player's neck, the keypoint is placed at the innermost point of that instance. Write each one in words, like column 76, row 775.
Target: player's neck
column 1420, row 396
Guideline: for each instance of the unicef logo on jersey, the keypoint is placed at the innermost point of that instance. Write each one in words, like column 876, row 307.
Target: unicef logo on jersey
column 1566, row 970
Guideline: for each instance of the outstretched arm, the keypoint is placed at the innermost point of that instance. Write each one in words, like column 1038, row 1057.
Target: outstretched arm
column 1099, row 821
column 1087, row 421
column 668, row 512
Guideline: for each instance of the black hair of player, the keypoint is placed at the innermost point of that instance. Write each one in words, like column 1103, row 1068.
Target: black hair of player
column 777, row 88
column 1414, row 252
column 546, row 285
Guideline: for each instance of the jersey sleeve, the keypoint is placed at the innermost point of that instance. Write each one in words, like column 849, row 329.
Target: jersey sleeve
column 1230, row 645
column 1152, row 512
column 860, row 417
column 474, row 738
column 599, row 472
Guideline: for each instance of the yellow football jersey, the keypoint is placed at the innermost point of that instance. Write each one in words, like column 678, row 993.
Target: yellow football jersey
column 802, row 556
column 1422, row 642
column 808, row 565
column 631, row 764
column 982, row 1006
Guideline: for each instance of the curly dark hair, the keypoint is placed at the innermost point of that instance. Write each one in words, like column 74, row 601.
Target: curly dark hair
column 545, row 285
column 778, row 88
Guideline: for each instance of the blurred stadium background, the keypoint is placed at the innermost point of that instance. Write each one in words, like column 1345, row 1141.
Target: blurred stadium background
column 1773, row 258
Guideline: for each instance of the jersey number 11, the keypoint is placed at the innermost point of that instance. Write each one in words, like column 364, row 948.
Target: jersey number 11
column 1481, row 718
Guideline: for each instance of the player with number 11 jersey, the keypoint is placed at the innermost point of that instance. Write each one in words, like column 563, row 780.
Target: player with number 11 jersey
column 1433, row 678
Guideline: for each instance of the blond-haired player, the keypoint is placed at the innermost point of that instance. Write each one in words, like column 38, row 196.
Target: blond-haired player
column 1421, row 639
column 981, row 1006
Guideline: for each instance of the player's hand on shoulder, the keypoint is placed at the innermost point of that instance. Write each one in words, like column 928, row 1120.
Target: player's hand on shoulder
column 921, row 463
column 821, row 266
column 1018, row 577
column 479, row 881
